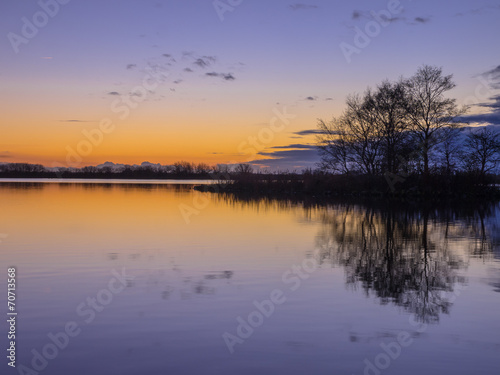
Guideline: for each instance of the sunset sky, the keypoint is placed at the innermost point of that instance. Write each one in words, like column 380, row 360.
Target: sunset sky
column 127, row 81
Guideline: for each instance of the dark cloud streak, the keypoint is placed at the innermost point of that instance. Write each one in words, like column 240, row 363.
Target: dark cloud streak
column 301, row 6
column 308, row 132
column 295, row 146
column 224, row 76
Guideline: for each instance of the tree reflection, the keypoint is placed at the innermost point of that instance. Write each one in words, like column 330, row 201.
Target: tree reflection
column 412, row 258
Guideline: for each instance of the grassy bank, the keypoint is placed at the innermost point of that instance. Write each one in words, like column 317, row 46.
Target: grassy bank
column 321, row 185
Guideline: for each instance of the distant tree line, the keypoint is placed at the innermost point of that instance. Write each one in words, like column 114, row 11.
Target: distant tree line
column 407, row 127
column 178, row 170
column 181, row 170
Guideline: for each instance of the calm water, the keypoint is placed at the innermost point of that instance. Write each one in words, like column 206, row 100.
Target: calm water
column 161, row 279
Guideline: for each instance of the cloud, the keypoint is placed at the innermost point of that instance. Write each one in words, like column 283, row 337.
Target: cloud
column 306, row 156
column 308, row 132
column 493, row 80
column 169, row 57
column 495, row 70
column 493, row 77
column 495, row 105
column 422, row 19
column 485, row 118
column 300, row 6
column 5, row 154
column 311, row 98
column 290, row 153
column 114, row 93
column 186, row 54
column 225, row 76
column 189, row 70
column 131, row 66
column 477, row 11
column 358, row 14
column 136, row 94
column 293, row 146
column 205, row 61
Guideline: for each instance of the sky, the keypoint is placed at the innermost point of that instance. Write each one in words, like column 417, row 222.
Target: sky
column 224, row 81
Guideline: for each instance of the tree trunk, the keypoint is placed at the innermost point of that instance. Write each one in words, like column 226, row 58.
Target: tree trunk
column 425, row 150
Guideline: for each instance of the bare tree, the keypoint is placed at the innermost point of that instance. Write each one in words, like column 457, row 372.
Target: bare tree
column 334, row 147
column 370, row 134
column 202, row 169
column 450, row 148
column 387, row 107
column 363, row 134
column 183, row 168
column 483, row 154
column 221, row 169
column 244, row 169
column 428, row 108
column 394, row 128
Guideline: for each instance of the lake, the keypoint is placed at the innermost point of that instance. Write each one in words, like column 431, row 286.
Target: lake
column 126, row 278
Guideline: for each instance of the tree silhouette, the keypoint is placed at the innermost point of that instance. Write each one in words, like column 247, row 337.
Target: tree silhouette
column 428, row 108
column 483, row 154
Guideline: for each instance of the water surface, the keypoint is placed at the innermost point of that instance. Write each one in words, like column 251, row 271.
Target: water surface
column 357, row 288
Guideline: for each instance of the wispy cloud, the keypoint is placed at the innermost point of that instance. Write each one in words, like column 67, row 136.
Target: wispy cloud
column 356, row 14
column 301, row 6
column 360, row 14
column 484, row 118
column 477, row 11
column 175, row 69
column 224, row 76
column 205, row 61
column 491, row 76
column 293, row 146
column 300, row 156
column 495, row 105
column 5, row 155
column 308, row 132
column 422, row 19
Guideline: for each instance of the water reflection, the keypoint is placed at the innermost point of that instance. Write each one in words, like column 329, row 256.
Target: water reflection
column 173, row 281
column 401, row 257
column 412, row 256
column 97, row 186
